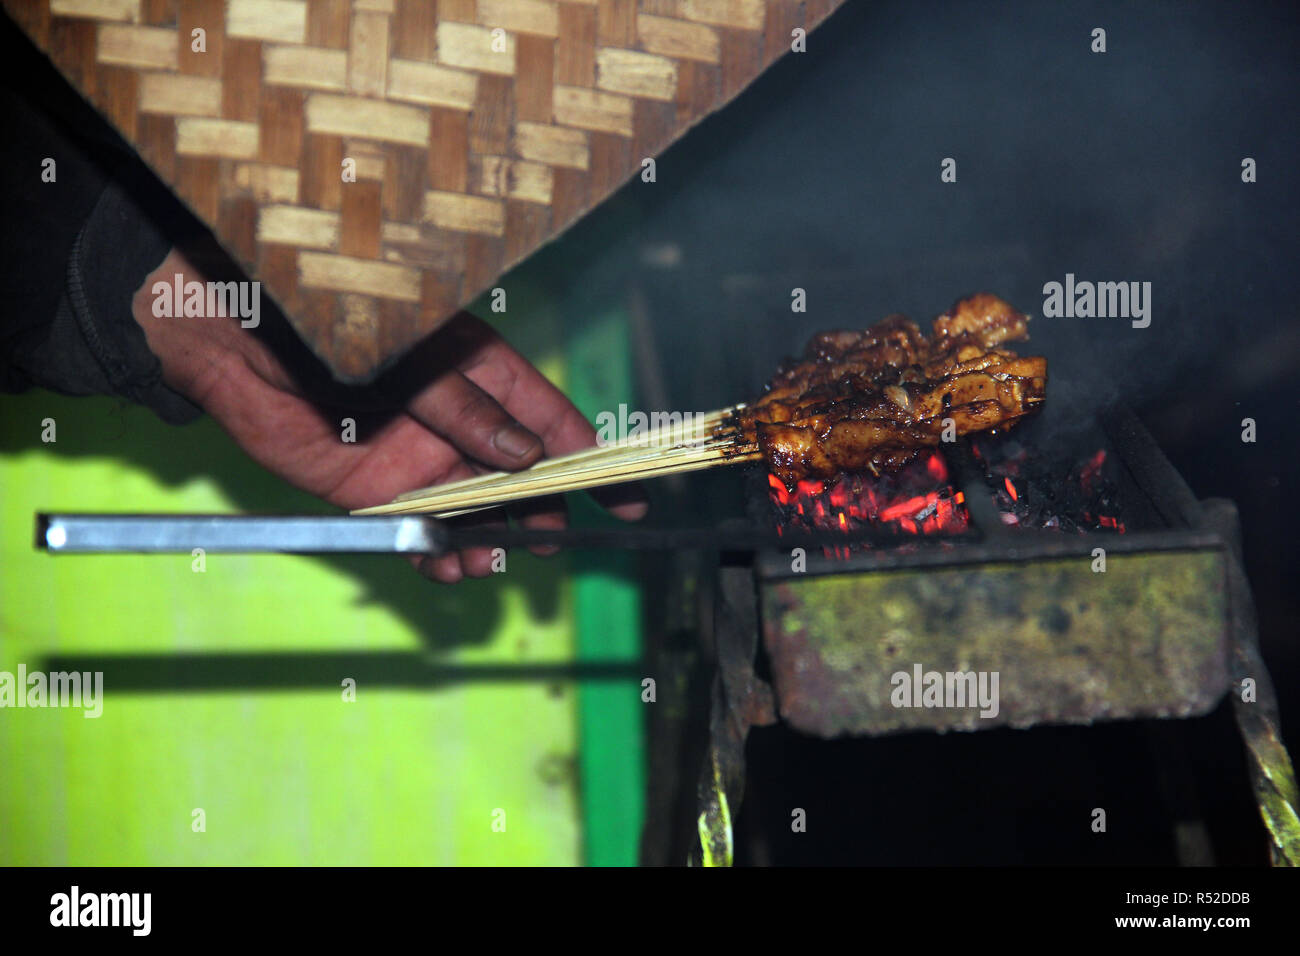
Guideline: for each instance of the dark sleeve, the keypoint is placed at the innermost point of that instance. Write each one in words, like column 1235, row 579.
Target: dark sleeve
column 75, row 249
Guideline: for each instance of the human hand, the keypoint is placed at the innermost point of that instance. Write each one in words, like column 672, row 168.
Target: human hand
column 462, row 402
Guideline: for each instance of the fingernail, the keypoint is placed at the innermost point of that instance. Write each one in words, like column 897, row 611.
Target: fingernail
column 633, row 512
column 514, row 441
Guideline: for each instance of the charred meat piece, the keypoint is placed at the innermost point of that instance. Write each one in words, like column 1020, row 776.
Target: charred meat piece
column 894, row 341
column 870, row 401
column 984, row 318
column 794, row 452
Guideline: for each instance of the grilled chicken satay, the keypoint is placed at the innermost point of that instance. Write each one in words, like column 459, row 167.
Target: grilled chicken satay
column 892, row 343
column 837, row 364
column 871, row 401
column 874, row 434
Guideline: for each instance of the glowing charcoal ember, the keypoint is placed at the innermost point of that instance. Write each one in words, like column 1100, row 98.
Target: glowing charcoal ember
column 1076, row 496
column 1092, row 471
column 920, row 499
column 779, row 491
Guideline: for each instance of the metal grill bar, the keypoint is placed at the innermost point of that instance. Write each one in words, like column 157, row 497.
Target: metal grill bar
column 152, row 534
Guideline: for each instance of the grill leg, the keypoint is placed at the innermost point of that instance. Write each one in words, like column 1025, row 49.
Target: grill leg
column 1191, row 837
column 741, row 700
column 1272, row 776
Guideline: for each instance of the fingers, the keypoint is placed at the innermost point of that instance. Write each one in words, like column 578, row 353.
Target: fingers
column 529, row 396
column 473, row 421
column 458, row 565
column 455, row 567
column 542, row 514
column 628, row 502
column 444, row 568
column 401, row 455
column 496, row 407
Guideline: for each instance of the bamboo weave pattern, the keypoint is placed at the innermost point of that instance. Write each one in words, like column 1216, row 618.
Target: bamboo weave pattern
column 477, row 130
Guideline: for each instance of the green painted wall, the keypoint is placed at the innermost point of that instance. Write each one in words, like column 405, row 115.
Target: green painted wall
column 401, row 776
column 608, row 598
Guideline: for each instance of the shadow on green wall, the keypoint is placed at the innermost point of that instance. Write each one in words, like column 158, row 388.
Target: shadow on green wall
column 445, row 617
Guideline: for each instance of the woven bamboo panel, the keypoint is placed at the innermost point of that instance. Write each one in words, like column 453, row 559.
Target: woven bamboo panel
column 477, row 130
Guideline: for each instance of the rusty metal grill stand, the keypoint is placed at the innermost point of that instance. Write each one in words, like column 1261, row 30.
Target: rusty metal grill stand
column 742, row 700
column 1273, row 780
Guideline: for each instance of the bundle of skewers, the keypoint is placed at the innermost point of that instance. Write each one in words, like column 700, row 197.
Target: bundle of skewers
column 866, row 400
column 708, row 441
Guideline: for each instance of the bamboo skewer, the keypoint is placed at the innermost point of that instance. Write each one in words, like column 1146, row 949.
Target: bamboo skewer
column 561, row 484
column 701, row 429
column 664, row 461
column 656, row 454
column 632, row 452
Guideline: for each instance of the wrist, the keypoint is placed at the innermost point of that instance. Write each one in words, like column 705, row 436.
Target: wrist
column 190, row 348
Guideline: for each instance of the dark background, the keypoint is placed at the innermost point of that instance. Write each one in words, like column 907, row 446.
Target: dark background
column 1122, row 166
